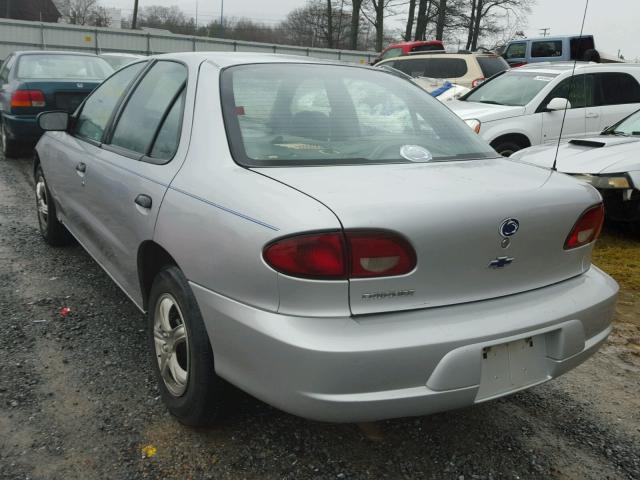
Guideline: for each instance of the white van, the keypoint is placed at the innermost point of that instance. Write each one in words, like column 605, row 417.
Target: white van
column 525, row 106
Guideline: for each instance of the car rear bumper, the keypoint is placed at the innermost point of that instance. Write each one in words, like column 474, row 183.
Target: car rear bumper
column 22, row 128
column 410, row 363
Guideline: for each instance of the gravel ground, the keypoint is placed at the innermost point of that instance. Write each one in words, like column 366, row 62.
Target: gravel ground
column 78, row 401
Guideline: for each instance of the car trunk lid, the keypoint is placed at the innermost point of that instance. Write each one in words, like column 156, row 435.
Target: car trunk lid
column 451, row 213
column 64, row 95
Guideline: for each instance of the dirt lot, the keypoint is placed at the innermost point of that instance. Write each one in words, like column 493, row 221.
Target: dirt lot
column 77, row 400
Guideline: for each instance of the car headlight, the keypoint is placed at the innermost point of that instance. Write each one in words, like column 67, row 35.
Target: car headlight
column 606, row 181
column 473, row 124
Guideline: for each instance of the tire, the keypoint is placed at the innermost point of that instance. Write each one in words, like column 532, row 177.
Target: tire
column 53, row 232
column 507, row 148
column 188, row 384
column 10, row 148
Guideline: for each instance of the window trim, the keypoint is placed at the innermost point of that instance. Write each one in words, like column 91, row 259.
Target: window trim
column 155, row 160
column 126, row 92
column 119, row 110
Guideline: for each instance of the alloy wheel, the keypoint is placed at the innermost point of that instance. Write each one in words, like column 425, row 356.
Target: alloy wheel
column 171, row 344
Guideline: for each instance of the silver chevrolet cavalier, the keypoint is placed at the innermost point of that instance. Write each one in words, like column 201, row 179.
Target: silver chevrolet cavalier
column 326, row 237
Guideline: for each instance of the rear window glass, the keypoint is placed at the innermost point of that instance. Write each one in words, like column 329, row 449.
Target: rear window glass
column 63, row 67
column 547, row 48
column 433, row 67
column 392, row 52
column 492, row 65
column 328, row 115
column 427, row 48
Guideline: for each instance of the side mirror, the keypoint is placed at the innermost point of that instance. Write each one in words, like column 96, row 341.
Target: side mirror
column 54, row 121
column 558, row 104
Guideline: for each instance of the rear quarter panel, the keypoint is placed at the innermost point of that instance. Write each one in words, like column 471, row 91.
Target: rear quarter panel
column 217, row 217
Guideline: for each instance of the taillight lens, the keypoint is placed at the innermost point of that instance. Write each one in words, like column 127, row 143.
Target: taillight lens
column 379, row 254
column 587, row 228
column 477, row 82
column 336, row 256
column 27, row 98
column 312, row 256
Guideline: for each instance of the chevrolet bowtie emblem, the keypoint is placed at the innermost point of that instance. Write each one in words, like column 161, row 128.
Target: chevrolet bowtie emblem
column 501, row 262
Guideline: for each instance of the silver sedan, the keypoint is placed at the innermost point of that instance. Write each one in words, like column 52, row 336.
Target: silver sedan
column 326, row 237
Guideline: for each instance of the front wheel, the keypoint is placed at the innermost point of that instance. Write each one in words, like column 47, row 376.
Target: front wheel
column 53, row 232
column 182, row 355
column 507, row 148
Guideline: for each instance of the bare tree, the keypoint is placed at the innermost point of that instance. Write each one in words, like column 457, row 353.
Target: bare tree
column 409, row 28
column 329, row 24
column 442, row 17
column 355, row 22
column 487, row 16
column 424, row 10
column 81, row 11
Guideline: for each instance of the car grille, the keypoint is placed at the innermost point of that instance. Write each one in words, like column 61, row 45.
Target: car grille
column 69, row 101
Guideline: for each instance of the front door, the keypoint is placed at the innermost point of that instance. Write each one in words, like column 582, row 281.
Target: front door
column 132, row 170
column 579, row 90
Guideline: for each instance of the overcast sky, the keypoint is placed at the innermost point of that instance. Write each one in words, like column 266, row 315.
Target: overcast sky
column 614, row 23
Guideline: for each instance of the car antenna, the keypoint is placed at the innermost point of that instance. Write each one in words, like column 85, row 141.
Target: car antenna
column 573, row 72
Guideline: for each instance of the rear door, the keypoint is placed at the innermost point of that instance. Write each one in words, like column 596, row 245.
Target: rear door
column 580, row 91
column 619, row 96
column 131, row 171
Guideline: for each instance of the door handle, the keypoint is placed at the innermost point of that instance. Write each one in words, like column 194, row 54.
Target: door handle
column 81, row 167
column 592, row 115
column 144, row 201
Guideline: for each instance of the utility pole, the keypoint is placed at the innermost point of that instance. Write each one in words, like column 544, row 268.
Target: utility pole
column 222, row 16
column 134, row 20
column 544, row 31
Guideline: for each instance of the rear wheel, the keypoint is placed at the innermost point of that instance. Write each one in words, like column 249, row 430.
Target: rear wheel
column 182, row 355
column 53, row 232
column 10, row 148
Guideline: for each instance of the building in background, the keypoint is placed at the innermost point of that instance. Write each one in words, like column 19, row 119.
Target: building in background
column 35, row 10
column 115, row 17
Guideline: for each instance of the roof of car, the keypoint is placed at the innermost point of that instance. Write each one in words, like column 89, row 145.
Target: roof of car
column 54, row 52
column 561, row 67
column 438, row 54
column 227, row 59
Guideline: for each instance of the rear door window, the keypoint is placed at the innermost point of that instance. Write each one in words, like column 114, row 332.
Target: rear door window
column 492, row 65
column 546, row 48
column 147, row 105
column 618, row 89
column 98, row 108
column 433, row 67
column 516, row 50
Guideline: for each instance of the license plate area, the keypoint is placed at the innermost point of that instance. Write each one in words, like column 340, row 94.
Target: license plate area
column 511, row 366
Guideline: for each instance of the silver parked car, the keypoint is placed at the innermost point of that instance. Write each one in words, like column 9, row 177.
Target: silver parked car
column 328, row 238
column 608, row 161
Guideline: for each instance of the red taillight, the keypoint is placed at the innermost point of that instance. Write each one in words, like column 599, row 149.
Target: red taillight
column 477, row 81
column 319, row 255
column 587, row 228
column 27, row 98
column 335, row 256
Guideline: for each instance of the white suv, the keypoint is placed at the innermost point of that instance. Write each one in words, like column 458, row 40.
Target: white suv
column 525, row 106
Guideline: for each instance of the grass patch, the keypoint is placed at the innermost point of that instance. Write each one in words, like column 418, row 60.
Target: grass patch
column 617, row 252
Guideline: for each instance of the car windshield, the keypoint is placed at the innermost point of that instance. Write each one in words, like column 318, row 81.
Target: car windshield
column 57, row 66
column 511, row 88
column 629, row 126
column 305, row 114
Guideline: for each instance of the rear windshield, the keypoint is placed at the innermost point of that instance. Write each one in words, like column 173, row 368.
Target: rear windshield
column 492, row 65
column 304, row 114
column 432, row 67
column 512, row 88
column 63, row 67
